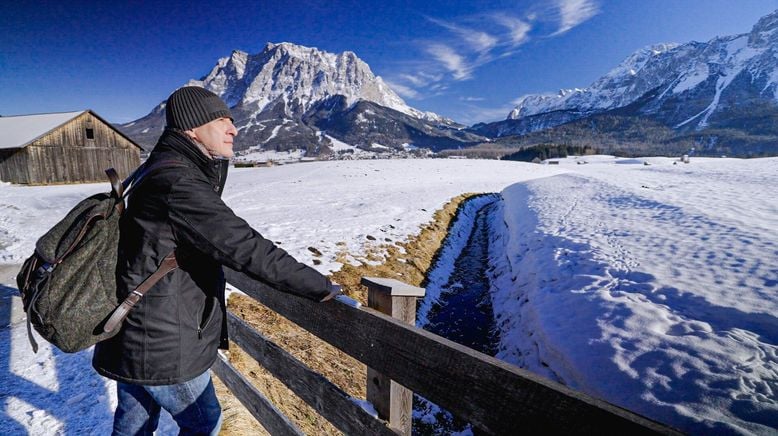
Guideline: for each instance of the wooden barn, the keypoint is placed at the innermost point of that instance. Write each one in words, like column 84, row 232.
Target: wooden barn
column 68, row 147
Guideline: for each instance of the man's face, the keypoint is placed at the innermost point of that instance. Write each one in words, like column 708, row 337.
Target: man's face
column 217, row 137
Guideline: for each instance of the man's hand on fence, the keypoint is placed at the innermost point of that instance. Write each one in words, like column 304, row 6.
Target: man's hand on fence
column 335, row 290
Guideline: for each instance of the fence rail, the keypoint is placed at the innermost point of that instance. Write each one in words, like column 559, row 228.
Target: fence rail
column 495, row 397
column 272, row 419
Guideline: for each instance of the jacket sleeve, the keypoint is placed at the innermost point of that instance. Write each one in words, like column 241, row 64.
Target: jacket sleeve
column 200, row 218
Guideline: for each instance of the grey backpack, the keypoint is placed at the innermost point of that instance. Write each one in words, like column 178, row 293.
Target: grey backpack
column 68, row 285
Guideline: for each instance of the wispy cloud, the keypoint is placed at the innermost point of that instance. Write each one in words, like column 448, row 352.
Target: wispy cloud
column 471, row 42
column 477, row 40
column 456, row 64
column 421, row 78
column 575, row 12
column 468, row 47
column 518, row 30
column 415, row 80
column 404, row 91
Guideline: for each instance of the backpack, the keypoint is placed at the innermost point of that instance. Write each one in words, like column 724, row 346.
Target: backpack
column 68, row 285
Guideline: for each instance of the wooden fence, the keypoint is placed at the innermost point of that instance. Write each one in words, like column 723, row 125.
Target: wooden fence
column 495, row 397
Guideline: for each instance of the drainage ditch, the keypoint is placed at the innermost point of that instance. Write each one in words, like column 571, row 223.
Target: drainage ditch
column 461, row 310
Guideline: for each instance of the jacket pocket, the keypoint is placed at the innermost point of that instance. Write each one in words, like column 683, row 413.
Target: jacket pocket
column 208, row 314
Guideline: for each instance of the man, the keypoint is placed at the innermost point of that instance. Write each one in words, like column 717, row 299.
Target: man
column 162, row 354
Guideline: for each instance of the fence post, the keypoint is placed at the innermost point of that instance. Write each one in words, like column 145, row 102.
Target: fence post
column 393, row 401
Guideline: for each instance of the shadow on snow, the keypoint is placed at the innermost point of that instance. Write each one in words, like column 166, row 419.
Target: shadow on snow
column 78, row 398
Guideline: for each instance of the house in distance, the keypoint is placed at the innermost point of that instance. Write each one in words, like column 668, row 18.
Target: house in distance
column 66, row 147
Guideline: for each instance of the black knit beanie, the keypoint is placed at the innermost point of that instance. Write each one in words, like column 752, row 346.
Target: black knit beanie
column 192, row 106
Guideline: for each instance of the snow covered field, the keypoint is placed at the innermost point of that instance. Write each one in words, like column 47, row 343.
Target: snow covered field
column 651, row 286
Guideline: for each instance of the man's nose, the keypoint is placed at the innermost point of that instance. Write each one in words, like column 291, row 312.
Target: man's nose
column 232, row 130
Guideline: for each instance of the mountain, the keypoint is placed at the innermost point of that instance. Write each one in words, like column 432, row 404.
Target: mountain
column 287, row 96
column 371, row 125
column 723, row 89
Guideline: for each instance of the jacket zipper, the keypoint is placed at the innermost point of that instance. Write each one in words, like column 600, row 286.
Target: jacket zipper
column 217, row 164
column 201, row 328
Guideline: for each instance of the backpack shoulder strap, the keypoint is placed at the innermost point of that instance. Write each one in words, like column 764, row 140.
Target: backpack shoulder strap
column 145, row 170
column 169, row 263
column 121, row 189
column 117, row 189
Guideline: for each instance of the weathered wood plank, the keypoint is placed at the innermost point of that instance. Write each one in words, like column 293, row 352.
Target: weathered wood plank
column 379, row 386
column 392, row 400
column 393, row 287
column 326, row 398
column 260, row 407
column 494, row 396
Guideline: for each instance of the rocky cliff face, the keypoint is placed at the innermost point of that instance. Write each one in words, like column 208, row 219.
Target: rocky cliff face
column 278, row 95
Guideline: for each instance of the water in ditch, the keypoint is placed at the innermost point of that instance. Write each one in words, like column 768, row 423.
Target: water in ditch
column 464, row 315
column 464, row 311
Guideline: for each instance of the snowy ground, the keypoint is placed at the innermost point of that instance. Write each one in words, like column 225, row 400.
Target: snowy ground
column 651, row 286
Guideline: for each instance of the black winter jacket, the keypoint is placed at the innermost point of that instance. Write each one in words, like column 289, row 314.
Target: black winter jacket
column 173, row 333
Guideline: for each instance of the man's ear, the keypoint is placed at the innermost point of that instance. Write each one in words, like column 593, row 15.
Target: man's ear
column 191, row 134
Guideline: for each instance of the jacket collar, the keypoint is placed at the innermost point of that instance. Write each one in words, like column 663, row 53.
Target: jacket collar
column 178, row 143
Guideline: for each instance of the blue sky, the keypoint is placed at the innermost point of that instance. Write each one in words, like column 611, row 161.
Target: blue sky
column 466, row 60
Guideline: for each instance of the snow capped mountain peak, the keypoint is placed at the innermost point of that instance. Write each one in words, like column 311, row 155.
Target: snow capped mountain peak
column 625, row 77
column 765, row 31
column 285, row 96
column 637, row 60
column 298, row 77
column 682, row 85
column 228, row 74
column 568, row 92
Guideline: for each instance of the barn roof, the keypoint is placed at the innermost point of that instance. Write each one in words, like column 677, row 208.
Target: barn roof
column 19, row 130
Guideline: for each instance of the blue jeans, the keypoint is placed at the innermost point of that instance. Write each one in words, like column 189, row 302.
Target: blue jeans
column 193, row 405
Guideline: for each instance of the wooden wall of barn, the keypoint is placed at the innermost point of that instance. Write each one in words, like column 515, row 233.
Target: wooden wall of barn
column 13, row 166
column 67, row 155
